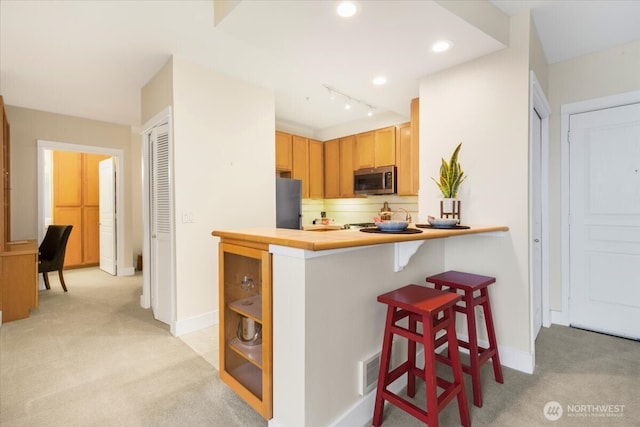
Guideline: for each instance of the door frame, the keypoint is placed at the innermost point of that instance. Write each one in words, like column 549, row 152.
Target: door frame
column 566, row 110
column 145, row 299
column 118, row 156
column 539, row 105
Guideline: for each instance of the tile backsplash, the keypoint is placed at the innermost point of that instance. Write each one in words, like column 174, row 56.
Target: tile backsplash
column 356, row 210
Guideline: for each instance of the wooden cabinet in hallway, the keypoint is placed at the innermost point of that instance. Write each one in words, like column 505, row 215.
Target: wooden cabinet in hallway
column 76, row 202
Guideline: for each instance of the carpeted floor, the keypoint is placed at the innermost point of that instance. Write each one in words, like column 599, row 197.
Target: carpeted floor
column 93, row 357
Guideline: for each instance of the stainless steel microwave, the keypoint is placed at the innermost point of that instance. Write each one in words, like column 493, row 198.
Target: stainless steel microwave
column 381, row 180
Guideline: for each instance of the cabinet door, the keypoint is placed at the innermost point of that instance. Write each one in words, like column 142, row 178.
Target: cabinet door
column 347, row 166
column 67, row 183
column 316, row 169
column 90, row 235
column 284, row 156
column 301, row 163
column 246, row 369
column 71, row 215
column 404, row 160
column 385, row 147
column 365, row 150
column 332, row 169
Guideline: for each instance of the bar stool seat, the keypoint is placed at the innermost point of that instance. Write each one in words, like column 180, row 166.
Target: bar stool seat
column 435, row 310
column 468, row 284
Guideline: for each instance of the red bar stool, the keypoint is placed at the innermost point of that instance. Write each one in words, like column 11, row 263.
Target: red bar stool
column 468, row 284
column 435, row 309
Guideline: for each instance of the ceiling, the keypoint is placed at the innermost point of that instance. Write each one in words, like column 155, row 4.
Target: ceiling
column 91, row 58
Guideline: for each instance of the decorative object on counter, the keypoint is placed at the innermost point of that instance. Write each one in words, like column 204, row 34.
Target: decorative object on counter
column 323, row 218
column 442, row 222
column 377, row 230
column 390, row 225
column 385, row 212
column 455, row 227
column 451, row 176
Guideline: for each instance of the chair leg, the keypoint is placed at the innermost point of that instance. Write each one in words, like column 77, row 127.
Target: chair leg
column 64, row 286
column 45, row 276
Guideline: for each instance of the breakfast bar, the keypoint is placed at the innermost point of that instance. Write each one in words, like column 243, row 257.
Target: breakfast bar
column 319, row 316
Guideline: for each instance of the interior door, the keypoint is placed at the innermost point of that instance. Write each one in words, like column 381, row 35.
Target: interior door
column 161, row 222
column 536, row 222
column 605, row 220
column 107, row 215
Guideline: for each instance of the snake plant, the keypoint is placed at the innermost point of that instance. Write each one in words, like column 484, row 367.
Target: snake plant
column 451, row 175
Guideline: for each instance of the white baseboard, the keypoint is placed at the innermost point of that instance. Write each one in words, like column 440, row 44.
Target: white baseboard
column 559, row 318
column 192, row 324
column 126, row 271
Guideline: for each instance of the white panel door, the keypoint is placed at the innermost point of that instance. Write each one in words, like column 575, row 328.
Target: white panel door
column 605, row 220
column 161, row 256
column 107, row 215
column 536, row 223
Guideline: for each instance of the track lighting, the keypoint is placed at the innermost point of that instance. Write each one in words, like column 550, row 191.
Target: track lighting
column 349, row 101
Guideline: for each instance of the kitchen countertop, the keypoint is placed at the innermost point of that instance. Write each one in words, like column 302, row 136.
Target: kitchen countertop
column 337, row 239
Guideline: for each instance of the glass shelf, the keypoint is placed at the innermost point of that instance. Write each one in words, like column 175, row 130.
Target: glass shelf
column 249, row 307
column 253, row 353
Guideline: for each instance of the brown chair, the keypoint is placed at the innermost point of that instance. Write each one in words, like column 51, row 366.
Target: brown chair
column 51, row 252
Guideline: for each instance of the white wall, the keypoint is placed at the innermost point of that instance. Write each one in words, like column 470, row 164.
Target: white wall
column 605, row 73
column 484, row 104
column 224, row 152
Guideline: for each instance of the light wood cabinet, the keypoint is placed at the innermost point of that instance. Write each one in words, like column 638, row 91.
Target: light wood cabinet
column 407, row 154
column 245, row 292
column 347, row 148
column 332, row 169
column 385, row 147
column 284, row 153
column 338, row 167
column 364, row 153
column 18, row 259
column 375, row 148
column 301, row 163
column 316, row 169
column 76, row 202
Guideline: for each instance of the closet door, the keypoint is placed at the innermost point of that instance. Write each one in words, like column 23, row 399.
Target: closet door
column 161, row 222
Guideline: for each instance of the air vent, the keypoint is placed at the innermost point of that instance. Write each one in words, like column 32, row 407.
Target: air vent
column 369, row 371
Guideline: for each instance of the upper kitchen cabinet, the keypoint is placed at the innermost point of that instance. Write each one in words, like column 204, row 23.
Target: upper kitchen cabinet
column 284, row 152
column 347, row 166
column 338, row 167
column 375, row 148
column 332, row 169
column 308, row 166
column 407, row 155
column 316, row 169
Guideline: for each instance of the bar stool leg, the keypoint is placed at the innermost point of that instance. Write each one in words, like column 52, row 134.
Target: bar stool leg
column 474, row 365
column 456, row 366
column 431, row 380
column 385, row 357
column 493, row 343
column 411, row 356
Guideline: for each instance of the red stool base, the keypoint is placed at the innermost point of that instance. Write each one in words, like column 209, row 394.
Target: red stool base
column 435, row 310
column 468, row 284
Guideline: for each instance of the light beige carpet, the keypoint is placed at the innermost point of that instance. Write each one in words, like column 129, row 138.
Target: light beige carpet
column 93, row 357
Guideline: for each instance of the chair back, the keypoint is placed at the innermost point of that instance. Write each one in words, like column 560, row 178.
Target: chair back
column 54, row 244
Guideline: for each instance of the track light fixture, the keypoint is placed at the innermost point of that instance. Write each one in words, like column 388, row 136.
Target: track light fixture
column 349, row 101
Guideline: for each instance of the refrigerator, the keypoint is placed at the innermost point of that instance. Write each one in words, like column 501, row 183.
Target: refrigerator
column 288, row 203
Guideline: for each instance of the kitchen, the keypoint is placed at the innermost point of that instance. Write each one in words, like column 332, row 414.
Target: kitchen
column 472, row 102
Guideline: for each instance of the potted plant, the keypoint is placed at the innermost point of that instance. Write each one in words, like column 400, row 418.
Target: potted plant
column 451, row 176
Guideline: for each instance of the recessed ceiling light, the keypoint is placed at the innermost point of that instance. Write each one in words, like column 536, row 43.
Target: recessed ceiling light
column 346, row 9
column 379, row 80
column 441, row 46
